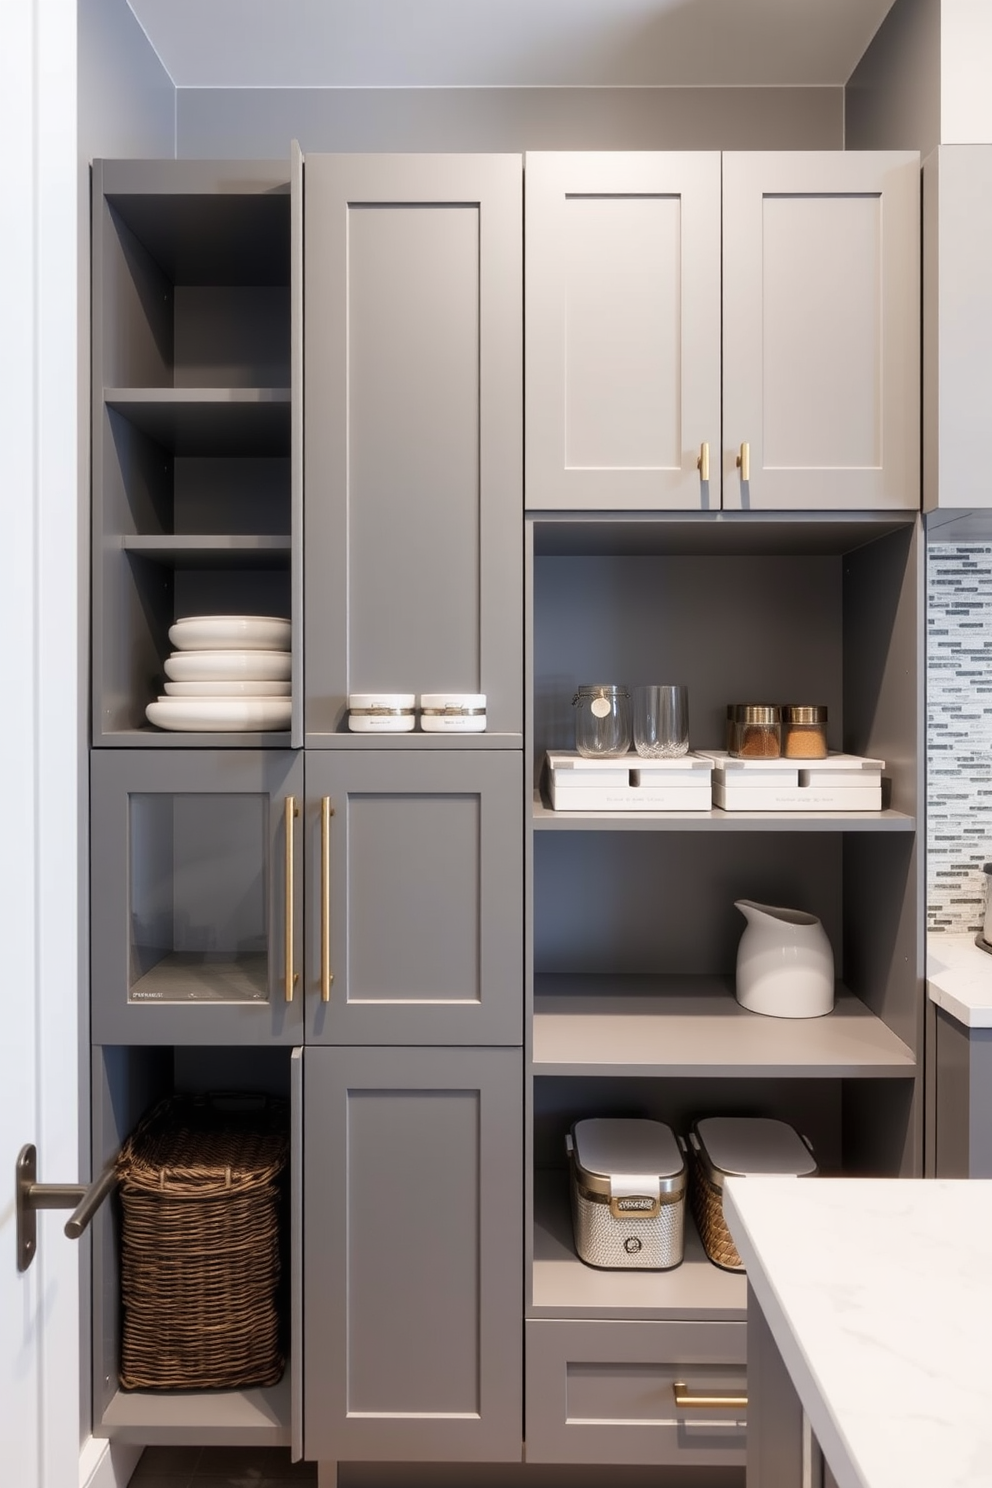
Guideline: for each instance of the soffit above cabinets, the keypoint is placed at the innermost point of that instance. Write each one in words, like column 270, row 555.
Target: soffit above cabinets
column 509, row 43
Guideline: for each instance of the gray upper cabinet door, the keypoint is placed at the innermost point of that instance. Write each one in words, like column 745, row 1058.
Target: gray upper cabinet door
column 196, row 896
column 414, row 924
column 622, row 371
column 413, row 458
column 821, row 330
column 413, row 1244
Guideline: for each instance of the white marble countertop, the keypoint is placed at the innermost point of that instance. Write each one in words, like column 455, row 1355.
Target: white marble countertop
column 959, row 979
column 883, row 1317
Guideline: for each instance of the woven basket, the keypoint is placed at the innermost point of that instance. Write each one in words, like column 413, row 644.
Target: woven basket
column 707, row 1210
column 200, row 1190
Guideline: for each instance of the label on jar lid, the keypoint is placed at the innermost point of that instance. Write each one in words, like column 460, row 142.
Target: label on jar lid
column 601, row 707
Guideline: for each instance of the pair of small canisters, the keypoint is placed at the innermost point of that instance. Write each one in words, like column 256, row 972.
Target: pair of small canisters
column 629, row 1178
column 776, row 731
column 397, row 712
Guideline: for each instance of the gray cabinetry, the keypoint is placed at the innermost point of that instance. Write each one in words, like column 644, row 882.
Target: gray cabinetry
column 413, row 443
column 415, row 883
column 963, row 1106
column 819, row 365
column 196, row 883
column 412, row 1174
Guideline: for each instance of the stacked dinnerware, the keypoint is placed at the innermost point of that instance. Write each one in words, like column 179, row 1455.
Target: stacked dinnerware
column 228, row 673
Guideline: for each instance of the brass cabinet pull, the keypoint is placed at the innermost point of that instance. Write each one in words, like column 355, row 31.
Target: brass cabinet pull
column 744, row 462
column 703, row 463
column 291, row 976
column 685, row 1401
column 326, row 974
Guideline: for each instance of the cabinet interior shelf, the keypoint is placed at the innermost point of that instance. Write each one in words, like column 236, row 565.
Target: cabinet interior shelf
column 564, row 1286
column 693, row 1026
column 211, row 420
column 716, row 820
column 200, row 1418
column 188, row 977
column 155, row 738
column 210, row 551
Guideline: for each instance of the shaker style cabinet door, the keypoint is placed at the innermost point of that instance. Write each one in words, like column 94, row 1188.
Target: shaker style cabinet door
column 196, row 896
column 414, row 925
column 413, row 1244
column 413, row 436
column 821, row 330
column 622, row 371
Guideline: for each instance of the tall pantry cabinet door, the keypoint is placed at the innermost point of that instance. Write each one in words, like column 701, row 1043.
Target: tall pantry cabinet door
column 413, row 1244
column 414, row 926
column 413, row 407
column 622, row 371
column 821, row 330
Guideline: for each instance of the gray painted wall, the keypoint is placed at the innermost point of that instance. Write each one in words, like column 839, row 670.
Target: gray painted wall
column 892, row 99
column 246, row 122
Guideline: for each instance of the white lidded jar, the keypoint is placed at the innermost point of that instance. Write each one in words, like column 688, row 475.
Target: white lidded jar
column 453, row 712
column 381, row 712
column 785, row 964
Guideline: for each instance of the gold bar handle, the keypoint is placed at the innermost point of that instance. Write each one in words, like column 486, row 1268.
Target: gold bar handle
column 685, row 1401
column 703, row 463
column 326, row 974
column 744, row 462
column 291, row 812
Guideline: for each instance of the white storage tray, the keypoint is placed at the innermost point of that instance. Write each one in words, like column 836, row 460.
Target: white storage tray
column 841, row 782
column 629, row 783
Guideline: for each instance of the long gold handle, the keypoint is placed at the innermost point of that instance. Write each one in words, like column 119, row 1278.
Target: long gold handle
column 703, row 463
column 744, row 462
column 326, row 974
column 685, row 1401
column 291, row 977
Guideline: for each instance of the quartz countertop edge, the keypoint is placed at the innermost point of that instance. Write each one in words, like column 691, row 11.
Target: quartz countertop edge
column 878, row 1294
column 959, row 979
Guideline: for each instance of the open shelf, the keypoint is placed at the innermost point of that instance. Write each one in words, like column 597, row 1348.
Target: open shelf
column 694, row 1026
column 229, row 551
column 564, row 1286
column 208, row 421
column 717, row 820
column 203, row 1418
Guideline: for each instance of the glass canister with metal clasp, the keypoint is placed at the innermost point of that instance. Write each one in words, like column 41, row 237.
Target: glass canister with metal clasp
column 602, row 720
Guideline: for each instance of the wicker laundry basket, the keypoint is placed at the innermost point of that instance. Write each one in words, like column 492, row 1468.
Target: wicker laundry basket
column 733, row 1146
column 200, row 1182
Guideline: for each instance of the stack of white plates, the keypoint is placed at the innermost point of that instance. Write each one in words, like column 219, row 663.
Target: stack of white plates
column 229, row 673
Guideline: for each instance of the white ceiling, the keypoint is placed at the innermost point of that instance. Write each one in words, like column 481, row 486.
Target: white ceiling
column 508, row 43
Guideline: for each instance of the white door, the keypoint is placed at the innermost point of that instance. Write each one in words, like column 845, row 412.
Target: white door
column 40, row 737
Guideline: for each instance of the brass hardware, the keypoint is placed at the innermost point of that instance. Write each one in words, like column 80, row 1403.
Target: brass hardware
column 291, row 977
column 703, row 463
column 326, row 974
column 30, row 1196
column 685, row 1401
column 744, row 462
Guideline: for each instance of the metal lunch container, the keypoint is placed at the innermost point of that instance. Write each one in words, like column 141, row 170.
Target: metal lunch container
column 731, row 1147
column 628, row 1182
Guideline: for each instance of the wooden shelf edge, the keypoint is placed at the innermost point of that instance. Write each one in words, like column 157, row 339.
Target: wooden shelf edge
column 200, row 1418
column 547, row 820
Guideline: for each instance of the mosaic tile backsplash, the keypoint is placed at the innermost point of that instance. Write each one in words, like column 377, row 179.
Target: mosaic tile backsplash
column 959, row 733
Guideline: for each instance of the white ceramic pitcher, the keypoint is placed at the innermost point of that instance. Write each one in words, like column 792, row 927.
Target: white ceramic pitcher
column 785, row 964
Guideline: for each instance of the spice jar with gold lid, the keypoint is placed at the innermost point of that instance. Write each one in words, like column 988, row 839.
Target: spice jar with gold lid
column 804, row 731
column 758, row 731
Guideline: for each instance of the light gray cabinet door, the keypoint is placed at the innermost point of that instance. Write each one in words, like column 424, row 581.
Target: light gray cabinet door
column 414, row 926
column 196, row 896
column 413, row 404
column 413, row 1245
column 623, row 330
column 821, row 330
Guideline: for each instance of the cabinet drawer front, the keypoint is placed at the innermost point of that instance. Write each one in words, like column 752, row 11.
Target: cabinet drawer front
column 603, row 1392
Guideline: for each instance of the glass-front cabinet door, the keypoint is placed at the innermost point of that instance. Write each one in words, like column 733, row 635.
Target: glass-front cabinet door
column 196, row 897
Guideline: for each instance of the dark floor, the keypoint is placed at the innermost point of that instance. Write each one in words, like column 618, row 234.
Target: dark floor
column 221, row 1467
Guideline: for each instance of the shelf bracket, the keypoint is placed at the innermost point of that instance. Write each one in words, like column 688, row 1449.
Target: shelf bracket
column 30, row 1196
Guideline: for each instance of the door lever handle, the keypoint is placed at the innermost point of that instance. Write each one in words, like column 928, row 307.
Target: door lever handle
column 30, row 1196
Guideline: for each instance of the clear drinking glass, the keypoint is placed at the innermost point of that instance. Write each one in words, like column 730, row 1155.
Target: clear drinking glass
column 602, row 720
column 661, row 721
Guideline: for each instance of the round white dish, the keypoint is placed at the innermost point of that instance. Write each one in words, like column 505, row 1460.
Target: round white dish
column 233, row 632
column 220, row 714
column 228, row 666
column 227, row 689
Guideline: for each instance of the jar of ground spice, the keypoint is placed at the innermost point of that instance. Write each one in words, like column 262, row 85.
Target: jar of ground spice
column 804, row 732
column 758, row 731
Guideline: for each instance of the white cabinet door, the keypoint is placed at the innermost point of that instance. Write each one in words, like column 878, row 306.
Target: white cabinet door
column 821, row 338
column 622, row 306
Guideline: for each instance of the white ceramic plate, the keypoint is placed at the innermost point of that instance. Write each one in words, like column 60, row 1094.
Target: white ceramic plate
column 227, row 689
column 228, row 666
column 234, row 632
column 220, row 714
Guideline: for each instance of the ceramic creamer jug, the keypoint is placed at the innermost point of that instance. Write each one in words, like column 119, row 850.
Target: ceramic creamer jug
column 785, row 965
